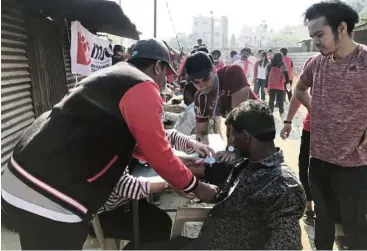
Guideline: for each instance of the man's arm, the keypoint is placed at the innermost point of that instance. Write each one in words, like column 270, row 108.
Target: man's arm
column 250, row 71
column 301, row 92
column 240, row 96
column 294, row 105
column 286, row 73
column 256, row 66
column 305, row 81
column 267, row 72
column 202, row 131
column 147, row 130
column 202, row 122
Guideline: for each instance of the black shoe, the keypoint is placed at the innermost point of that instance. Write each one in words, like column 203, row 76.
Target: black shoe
column 309, row 218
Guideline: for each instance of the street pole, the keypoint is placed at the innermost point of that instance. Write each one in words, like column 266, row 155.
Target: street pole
column 212, row 31
column 121, row 39
column 155, row 18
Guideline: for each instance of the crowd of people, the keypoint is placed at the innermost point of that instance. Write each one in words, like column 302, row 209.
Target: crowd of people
column 75, row 161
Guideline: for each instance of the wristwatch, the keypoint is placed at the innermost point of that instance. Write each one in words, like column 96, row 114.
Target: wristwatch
column 287, row 122
column 167, row 187
column 230, row 149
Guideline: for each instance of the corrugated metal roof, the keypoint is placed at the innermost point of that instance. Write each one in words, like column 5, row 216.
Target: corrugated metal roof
column 361, row 27
column 95, row 15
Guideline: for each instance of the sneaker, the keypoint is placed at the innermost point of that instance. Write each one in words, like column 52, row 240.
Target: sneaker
column 309, row 218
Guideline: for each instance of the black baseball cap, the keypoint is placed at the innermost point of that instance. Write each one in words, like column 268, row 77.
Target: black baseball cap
column 151, row 49
column 198, row 65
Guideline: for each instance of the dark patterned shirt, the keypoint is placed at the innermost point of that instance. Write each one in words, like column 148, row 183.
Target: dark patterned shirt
column 262, row 211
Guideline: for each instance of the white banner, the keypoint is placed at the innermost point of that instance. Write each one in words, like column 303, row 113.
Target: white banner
column 88, row 52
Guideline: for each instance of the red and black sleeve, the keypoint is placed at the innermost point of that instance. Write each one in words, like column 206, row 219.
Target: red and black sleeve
column 142, row 109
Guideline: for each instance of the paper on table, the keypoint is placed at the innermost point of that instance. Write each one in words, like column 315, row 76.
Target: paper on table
column 215, row 141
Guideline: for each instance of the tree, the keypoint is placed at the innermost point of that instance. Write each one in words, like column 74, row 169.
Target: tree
column 361, row 7
column 289, row 36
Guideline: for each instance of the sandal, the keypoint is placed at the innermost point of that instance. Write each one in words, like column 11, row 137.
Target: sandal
column 309, row 218
column 341, row 242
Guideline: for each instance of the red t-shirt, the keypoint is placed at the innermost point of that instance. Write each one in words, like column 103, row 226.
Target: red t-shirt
column 288, row 62
column 338, row 107
column 307, row 123
column 276, row 78
column 231, row 80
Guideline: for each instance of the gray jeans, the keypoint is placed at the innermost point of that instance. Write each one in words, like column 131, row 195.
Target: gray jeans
column 260, row 86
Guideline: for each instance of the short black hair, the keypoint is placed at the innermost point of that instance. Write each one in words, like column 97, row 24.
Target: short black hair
column 203, row 48
column 246, row 49
column 189, row 92
column 216, row 52
column 335, row 12
column 255, row 117
column 284, row 51
column 118, row 47
column 233, row 53
column 270, row 50
column 276, row 60
column 144, row 63
column 200, row 40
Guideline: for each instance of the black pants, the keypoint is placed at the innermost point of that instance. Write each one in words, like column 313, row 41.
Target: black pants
column 304, row 163
column 175, row 244
column 279, row 95
column 40, row 233
column 289, row 93
column 339, row 193
column 154, row 223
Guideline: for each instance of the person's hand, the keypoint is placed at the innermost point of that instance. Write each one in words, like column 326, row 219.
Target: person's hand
column 190, row 160
column 225, row 156
column 189, row 196
column 267, row 90
column 206, row 192
column 286, row 130
column 200, row 148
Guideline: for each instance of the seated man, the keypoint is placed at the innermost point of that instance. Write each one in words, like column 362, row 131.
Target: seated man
column 260, row 200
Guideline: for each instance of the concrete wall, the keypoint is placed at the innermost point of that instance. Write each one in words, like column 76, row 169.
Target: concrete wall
column 361, row 36
column 300, row 58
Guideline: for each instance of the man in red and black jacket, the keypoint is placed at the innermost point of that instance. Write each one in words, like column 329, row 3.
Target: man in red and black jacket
column 66, row 165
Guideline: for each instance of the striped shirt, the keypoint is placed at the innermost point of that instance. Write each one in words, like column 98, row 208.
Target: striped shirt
column 129, row 187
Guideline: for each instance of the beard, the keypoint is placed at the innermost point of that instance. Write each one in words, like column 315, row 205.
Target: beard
column 245, row 153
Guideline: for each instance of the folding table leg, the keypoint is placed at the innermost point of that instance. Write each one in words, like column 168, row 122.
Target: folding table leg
column 135, row 209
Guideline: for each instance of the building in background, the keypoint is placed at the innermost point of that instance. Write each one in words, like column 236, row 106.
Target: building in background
column 212, row 30
column 255, row 37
